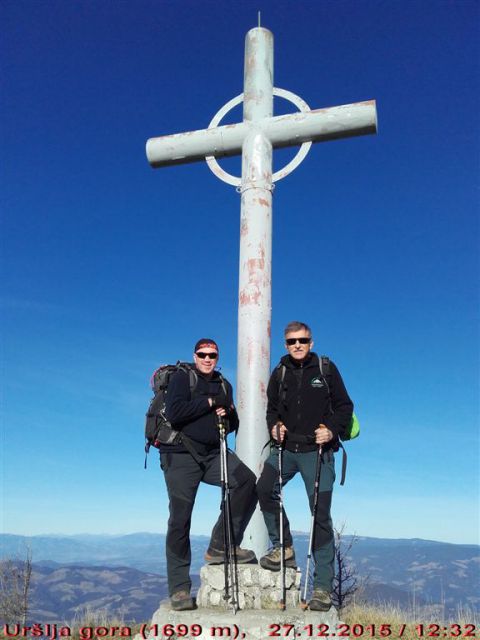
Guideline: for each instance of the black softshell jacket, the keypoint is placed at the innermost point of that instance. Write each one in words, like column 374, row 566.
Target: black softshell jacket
column 304, row 401
column 191, row 413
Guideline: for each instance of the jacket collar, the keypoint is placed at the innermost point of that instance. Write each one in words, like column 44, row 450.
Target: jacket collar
column 310, row 361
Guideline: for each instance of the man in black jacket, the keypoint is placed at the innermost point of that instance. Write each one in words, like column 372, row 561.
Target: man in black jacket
column 196, row 414
column 304, row 412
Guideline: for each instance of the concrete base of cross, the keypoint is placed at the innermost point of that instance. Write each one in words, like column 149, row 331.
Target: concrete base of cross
column 257, row 587
column 249, row 624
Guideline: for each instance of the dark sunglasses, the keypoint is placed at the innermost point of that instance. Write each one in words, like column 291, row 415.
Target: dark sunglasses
column 292, row 341
column 202, row 355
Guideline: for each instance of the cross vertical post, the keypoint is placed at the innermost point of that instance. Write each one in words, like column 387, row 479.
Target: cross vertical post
column 255, row 296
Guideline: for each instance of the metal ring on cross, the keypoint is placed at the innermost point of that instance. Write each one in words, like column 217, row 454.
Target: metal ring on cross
column 278, row 175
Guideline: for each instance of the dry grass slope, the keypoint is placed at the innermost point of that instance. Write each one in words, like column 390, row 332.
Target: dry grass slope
column 367, row 621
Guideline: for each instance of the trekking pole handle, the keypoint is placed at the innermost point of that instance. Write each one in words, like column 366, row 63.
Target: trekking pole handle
column 220, row 424
column 323, row 429
column 276, row 429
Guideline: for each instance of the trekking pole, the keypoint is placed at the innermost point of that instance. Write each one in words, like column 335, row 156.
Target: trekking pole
column 223, row 484
column 312, row 526
column 229, row 551
column 281, row 524
column 232, row 561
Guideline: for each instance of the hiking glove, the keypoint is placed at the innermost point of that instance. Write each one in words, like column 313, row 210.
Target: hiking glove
column 220, row 400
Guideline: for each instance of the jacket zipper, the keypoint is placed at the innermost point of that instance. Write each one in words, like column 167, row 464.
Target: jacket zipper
column 299, row 413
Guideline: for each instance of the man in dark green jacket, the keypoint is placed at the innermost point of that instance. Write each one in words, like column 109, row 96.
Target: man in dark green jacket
column 305, row 411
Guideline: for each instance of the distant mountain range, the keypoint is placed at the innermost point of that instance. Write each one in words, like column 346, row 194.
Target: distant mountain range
column 125, row 575
column 67, row 593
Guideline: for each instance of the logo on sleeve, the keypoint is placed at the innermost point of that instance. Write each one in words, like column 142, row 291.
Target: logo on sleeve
column 317, row 382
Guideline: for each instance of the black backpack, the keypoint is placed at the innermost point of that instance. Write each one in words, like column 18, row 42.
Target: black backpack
column 158, row 429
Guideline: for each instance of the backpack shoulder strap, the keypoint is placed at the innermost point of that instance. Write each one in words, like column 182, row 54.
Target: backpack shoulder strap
column 324, row 362
column 189, row 369
column 192, row 379
column 281, row 370
column 224, row 384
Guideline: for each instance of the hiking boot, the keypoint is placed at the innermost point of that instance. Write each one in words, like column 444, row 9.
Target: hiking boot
column 182, row 601
column 271, row 561
column 321, row 600
column 242, row 556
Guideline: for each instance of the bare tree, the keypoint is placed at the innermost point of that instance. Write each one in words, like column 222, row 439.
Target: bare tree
column 346, row 581
column 15, row 579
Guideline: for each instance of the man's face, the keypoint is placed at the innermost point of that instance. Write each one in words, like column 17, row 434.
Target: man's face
column 205, row 359
column 298, row 344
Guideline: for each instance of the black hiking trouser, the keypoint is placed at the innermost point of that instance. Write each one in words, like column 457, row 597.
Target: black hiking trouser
column 268, row 489
column 183, row 475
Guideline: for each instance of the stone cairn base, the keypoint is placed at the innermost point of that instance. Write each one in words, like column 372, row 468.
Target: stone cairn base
column 259, row 616
column 258, row 588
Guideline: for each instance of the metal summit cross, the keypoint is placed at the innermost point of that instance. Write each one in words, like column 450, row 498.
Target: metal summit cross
column 254, row 138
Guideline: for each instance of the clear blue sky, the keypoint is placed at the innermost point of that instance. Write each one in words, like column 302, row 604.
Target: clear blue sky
column 111, row 268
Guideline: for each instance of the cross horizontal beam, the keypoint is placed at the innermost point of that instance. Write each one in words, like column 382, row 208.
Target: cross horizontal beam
column 319, row 125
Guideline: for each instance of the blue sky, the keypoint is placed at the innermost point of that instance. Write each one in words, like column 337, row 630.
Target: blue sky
column 111, row 268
